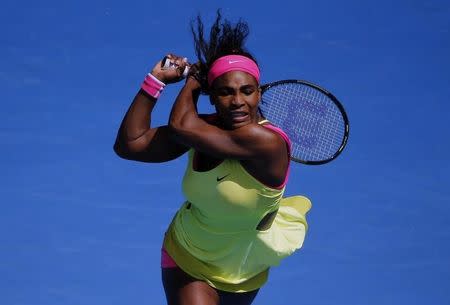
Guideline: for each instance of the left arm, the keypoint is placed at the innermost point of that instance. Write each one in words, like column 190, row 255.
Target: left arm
column 262, row 152
column 248, row 142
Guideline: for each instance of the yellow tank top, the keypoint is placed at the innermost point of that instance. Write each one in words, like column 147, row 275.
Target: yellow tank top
column 214, row 235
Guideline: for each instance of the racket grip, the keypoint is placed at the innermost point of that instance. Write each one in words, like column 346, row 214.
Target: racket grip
column 166, row 63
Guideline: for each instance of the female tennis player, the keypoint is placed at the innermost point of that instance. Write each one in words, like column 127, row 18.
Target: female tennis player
column 235, row 223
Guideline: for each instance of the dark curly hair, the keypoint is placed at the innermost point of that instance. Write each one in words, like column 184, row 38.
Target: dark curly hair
column 225, row 38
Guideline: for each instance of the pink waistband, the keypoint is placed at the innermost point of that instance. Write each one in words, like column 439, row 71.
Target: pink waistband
column 166, row 260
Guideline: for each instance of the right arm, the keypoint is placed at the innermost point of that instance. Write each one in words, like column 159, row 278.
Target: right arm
column 136, row 138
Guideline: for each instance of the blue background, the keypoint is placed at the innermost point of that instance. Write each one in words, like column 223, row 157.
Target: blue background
column 80, row 226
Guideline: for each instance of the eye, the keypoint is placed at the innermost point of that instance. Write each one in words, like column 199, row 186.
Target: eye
column 248, row 90
column 223, row 91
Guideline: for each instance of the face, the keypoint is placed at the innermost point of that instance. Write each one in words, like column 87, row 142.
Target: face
column 236, row 96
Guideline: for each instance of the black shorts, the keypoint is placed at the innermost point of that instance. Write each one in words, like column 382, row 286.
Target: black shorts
column 174, row 279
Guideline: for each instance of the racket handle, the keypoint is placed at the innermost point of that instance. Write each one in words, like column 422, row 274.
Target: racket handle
column 166, row 63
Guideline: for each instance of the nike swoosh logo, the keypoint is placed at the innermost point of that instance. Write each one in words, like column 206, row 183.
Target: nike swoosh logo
column 221, row 178
column 234, row 61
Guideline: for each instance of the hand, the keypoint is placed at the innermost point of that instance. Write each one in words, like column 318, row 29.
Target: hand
column 192, row 83
column 197, row 74
column 171, row 75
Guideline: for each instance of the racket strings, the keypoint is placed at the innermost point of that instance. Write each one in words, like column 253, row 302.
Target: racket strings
column 310, row 118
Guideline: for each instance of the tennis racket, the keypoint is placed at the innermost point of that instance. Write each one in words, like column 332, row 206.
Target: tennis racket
column 312, row 117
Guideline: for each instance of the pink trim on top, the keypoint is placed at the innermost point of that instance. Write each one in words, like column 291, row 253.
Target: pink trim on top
column 288, row 144
column 229, row 63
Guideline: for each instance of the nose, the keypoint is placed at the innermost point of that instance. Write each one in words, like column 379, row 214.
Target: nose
column 238, row 100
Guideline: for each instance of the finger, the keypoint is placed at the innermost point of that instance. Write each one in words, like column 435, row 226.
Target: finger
column 179, row 61
column 182, row 66
column 175, row 61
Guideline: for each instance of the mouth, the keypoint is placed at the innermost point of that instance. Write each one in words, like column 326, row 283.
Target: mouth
column 239, row 116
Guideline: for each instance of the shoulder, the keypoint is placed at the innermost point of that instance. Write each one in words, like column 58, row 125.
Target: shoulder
column 267, row 140
column 272, row 163
column 278, row 142
column 280, row 132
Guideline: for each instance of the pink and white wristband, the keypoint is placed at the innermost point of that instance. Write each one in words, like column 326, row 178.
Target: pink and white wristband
column 152, row 86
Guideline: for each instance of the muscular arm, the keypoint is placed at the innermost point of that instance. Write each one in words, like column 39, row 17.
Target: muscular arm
column 137, row 140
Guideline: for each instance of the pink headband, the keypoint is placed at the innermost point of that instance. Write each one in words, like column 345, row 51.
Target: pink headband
column 232, row 63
